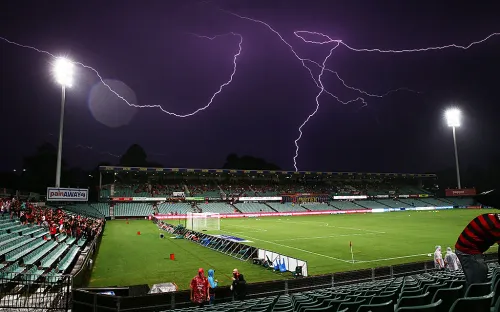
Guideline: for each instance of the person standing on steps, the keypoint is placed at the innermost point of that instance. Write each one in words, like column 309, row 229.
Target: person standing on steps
column 212, row 285
column 199, row 289
column 239, row 286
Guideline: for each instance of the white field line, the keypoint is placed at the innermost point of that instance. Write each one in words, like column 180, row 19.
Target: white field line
column 319, row 237
column 325, row 224
column 253, row 229
column 290, row 247
column 387, row 259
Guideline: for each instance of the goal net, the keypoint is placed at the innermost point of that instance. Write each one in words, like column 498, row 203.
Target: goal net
column 205, row 221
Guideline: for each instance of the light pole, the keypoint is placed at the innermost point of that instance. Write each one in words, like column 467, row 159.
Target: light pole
column 453, row 116
column 63, row 72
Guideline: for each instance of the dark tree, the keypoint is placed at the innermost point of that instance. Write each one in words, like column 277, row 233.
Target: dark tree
column 248, row 163
column 154, row 164
column 135, row 156
column 40, row 169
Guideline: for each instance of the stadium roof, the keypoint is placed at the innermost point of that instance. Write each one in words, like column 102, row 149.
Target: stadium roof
column 152, row 169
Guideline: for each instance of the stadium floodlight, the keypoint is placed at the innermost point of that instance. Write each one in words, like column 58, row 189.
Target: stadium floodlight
column 453, row 117
column 63, row 73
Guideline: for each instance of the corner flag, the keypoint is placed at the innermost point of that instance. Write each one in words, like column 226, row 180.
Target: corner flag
column 352, row 254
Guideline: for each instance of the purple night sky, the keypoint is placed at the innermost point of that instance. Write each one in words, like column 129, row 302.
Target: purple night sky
column 145, row 51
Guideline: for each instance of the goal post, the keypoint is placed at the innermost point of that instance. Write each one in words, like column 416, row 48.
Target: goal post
column 205, row 221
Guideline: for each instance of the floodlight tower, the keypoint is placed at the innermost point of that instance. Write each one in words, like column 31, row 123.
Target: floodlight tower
column 453, row 116
column 63, row 73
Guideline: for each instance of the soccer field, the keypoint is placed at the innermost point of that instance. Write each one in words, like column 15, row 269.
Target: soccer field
column 126, row 258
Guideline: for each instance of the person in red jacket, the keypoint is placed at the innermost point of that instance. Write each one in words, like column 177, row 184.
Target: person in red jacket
column 199, row 289
column 477, row 237
column 53, row 231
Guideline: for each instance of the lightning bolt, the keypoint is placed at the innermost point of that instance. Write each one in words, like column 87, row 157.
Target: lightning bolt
column 87, row 147
column 304, row 61
column 222, row 86
column 322, row 90
column 328, row 40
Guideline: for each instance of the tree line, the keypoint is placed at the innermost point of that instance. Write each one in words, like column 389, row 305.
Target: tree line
column 39, row 169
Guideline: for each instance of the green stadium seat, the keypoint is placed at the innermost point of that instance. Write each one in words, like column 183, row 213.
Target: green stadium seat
column 70, row 240
column 476, row 304
column 413, row 300
column 8, row 238
column 63, row 265
column 53, row 256
column 38, row 253
column 53, row 276
column 478, row 290
column 18, row 242
column 23, row 250
column 378, row 307
column 351, row 306
column 432, row 307
column 81, row 242
column 32, row 275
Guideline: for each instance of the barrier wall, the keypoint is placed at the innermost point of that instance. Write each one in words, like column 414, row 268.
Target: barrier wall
column 290, row 263
column 309, row 213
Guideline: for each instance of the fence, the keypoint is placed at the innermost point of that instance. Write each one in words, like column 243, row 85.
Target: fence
column 32, row 292
column 82, row 276
column 89, row 299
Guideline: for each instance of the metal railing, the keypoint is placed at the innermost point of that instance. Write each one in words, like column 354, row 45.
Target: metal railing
column 35, row 292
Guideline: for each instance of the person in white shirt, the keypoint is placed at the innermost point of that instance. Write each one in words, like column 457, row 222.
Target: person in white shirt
column 438, row 258
column 451, row 260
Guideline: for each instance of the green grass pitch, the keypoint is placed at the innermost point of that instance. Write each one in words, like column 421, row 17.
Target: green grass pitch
column 126, row 258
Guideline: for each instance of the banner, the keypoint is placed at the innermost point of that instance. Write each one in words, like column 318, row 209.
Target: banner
column 272, row 214
column 413, row 196
column 194, row 198
column 423, row 195
column 276, row 198
column 351, row 197
column 178, row 194
column 460, row 192
column 403, row 196
column 122, row 199
column 149, row 198
column 382, row 196
column 67, row 194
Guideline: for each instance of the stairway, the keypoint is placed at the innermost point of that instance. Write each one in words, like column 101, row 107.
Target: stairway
column 235, row 208
column 112, row 212
column 271, row 207
column 186, row 190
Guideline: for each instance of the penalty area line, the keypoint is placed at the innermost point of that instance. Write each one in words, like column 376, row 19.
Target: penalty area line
column 325, row 224
column 320, row 237
column 290, row 247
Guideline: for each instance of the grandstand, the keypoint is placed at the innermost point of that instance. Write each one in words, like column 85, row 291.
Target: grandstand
column 179, row 191
column 34, row 267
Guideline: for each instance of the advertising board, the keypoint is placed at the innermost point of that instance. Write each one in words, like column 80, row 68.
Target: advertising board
column 67, row 194
column 460, row 192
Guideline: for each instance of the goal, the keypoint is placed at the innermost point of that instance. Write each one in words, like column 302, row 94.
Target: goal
column 205, row 221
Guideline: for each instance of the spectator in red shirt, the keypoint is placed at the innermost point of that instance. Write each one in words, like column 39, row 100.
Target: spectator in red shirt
column 199, row 289
column 53, row 231
column 477, row 237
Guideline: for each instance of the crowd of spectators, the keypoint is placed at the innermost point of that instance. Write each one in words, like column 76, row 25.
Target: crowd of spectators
column 55, row 220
